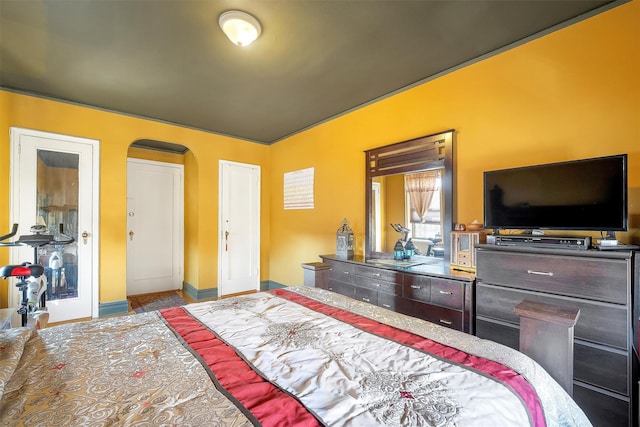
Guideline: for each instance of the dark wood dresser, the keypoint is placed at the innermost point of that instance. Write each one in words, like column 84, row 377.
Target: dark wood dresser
column 430, row 291
column 602, row 284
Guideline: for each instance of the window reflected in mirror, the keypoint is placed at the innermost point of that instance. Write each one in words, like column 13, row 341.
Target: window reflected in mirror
column 423, row 201
column 413, row 200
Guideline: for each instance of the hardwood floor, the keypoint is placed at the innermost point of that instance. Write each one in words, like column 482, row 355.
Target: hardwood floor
column 157, row 296
column 190, row 300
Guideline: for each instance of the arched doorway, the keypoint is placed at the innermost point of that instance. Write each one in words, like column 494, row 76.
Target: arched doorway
column 155, row 216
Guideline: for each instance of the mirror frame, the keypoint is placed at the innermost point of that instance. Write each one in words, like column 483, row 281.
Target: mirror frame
column 414, row 155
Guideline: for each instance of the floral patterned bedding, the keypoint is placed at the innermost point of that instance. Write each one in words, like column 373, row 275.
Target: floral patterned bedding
column 300, row 356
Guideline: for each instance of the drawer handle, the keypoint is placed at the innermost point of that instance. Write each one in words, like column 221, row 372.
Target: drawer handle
column 376, row 284
column 415, row 287
column 540, row 273
column 366, row 300
column 346, row 272
column 446, row 322
column 377, row 274
column 446, row 293
column 386, row 305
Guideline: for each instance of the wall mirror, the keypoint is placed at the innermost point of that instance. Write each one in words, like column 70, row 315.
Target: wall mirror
column 409, row 192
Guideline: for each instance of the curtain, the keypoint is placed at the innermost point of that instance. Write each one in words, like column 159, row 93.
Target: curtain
column 421, row 188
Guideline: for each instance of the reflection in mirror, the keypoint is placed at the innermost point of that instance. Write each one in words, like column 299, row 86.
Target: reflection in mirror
column 412, row 200
column 57, row 204
column 410, row 185
column 424, row 216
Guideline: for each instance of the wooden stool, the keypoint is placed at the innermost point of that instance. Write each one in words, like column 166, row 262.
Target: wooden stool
column 546, row 335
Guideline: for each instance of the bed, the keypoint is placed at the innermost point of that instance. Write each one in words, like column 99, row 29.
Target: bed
column 298, row 356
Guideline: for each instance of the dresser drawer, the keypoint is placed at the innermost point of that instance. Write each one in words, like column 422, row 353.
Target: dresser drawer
column 379, row 285
column 342, row 271
column 439, row 315
column 417, row 287
column 602, row 368
column 598, row 322
column 378, row 274
column 583, row 277
column 388, row 301
column 341, row 287
column 448, row 293
column 444, row 317
column 592, row 365
column 602, row 409
column 504, row 334
column 366, row 295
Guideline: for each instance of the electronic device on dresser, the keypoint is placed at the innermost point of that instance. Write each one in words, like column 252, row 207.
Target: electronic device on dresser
column 566, row 242
column 587, row 194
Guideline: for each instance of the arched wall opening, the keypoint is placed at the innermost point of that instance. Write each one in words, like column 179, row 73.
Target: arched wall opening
column 167, row 152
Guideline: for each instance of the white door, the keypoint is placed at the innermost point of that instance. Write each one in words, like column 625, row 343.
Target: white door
column 155, row 244
column 239, row 226
column 55, row 180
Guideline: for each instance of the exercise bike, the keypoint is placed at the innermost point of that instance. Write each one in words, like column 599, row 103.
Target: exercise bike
column 32, row 282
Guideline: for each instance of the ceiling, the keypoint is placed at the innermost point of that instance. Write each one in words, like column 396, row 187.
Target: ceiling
column 168, row 60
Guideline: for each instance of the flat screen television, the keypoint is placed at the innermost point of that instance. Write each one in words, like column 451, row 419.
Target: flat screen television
column 588, row 194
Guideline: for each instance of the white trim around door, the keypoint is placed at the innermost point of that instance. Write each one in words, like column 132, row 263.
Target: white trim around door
column 88, row 226
column 238, row 227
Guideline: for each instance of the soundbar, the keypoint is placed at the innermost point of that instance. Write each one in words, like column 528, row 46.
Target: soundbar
column 619, row 248
column 579, row 243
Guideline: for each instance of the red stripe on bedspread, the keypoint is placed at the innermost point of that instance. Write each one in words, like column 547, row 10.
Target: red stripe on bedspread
column 494, row 369
column 267, row 403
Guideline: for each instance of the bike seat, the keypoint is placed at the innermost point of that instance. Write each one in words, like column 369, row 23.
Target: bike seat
column 26, row 270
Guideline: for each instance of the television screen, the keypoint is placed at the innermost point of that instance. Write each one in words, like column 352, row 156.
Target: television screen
column 589, row 194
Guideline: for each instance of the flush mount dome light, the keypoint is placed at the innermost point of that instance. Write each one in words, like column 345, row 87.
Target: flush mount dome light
column 241, row 28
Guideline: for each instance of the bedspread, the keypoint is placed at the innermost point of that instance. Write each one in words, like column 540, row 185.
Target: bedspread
column 301, row 356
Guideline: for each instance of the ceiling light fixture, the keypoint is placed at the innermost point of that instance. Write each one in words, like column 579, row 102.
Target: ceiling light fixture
column 241, row 28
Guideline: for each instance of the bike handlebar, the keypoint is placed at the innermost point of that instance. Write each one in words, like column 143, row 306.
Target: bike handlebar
column 35, row 240
column 14, row 231
column 68, row 237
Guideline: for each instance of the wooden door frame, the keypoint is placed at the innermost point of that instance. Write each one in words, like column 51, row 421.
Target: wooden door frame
column 14, row 191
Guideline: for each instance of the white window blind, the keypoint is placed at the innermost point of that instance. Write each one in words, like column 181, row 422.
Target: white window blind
column 298, row 189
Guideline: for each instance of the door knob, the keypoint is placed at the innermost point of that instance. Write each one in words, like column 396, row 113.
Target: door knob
column 131, row 234
column 85, row 236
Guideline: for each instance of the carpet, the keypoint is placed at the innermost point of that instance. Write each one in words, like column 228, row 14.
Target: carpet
column 156, row 301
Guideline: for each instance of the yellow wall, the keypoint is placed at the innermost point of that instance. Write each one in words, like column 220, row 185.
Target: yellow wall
column 191, row 215
column 572, row 94
column 395, row 209
column 115, row 133
column 155, row 155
